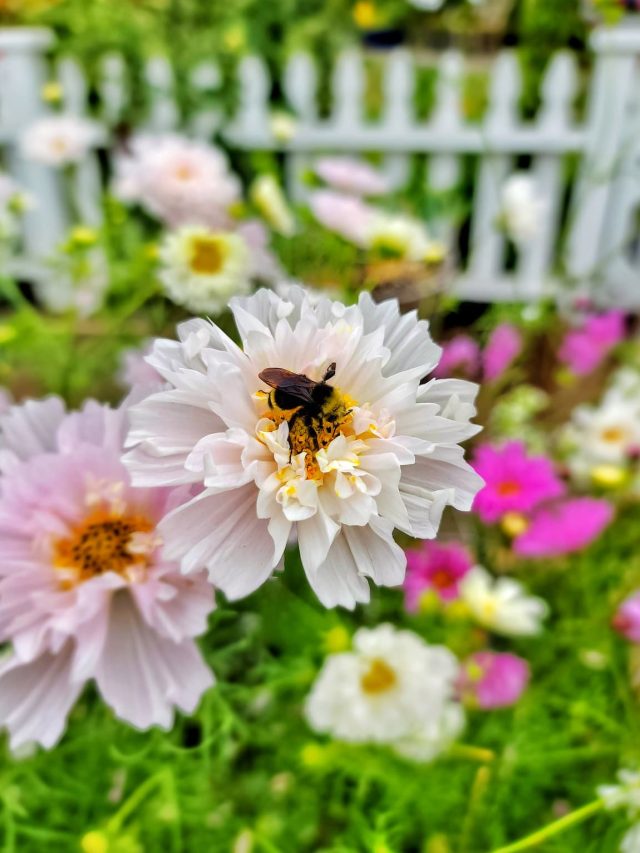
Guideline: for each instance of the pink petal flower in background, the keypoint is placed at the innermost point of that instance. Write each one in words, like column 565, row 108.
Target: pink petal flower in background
column 435, row 566
column 514, row 481
column 563, row 527
column 491, row 680
column 583, row 349
column 503, row 346
column 85, row 589
column 348, row 216
column 350, row 175
column 627, row 618
column 460, row 356
column 135, row 371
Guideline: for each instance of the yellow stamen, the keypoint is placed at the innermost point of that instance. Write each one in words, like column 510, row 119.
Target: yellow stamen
column 379, row 678
column 207, row 255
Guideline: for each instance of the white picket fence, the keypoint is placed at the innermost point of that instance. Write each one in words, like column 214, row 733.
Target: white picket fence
column 601, row 221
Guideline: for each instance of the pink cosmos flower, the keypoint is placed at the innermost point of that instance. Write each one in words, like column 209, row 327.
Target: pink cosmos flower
column 348, row 216
column 563, row 527
column 627, row 618
column 435, row 566
column 583, row 349
column 460, row 356
column 85, row 592
column 136, row 372
column 503, row 346
column 515, row 481
column 491, row 680
column 178, row 180
column 349, row 175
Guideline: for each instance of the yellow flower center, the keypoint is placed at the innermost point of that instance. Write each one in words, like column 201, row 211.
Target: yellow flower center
column 613, row 435
column 379, row 678
column 102, row 542
column 207, row 255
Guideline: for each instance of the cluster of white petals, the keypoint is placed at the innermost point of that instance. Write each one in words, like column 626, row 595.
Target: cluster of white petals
column 393, row 460
column 501, row 604
column 394, row 689
column 59, row 140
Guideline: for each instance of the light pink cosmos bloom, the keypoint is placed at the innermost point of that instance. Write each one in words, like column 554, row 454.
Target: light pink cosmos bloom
column 627, row 618
column 135, row 372
column 563, row 527
column 85, row 591
column 349, row 175
column 491, row 680
column 503, row 346
column 515, row 481
column 583, row 349
column 435, row 566
column 178, row 180
column 460, row 356
column 59, row 140
column 348, row 216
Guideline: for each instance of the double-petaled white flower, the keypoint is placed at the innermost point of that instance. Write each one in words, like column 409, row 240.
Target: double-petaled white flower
column 59, row 140
column 393, row 688
column 381, row 452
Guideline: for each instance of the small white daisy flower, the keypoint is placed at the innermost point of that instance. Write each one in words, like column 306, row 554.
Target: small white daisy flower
column 394, row 689
column 523, row 208
column 501, row 604
column 202, row 269
column 401, row 236
column 355, row 447
column 624, row 795
column 59, row 140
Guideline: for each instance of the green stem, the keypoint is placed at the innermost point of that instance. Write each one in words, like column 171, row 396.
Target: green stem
column 554, row 828
column 132, row 803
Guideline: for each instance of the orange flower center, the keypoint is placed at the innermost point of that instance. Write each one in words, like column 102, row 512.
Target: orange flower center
column 207, row 256
column 103, row 542
column 614, row 435
column 508, row 489
column 442, row 579
column 379, row 678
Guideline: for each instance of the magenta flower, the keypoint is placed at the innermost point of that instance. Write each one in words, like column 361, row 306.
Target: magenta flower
column 493, row 679
column 435, row 566
column 583, row 349
column 563, row 527
column 627, row 618
column 460, row 356
column 86, row 592
column 514, row 481
column 503, row 346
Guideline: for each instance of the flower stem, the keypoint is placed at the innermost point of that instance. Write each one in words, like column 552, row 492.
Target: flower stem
column 554, row 828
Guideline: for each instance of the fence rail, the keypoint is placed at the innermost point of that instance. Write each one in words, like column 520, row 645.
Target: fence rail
column 598, row 210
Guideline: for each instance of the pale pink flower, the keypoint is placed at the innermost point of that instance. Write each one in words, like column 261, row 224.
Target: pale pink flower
column 586, row 347
column 135, row 371
column 563, row 527
column 178, row 180
column 491, row 680
column 435, row 566
column 350, row 175
column 503, row 346
column 460, row 355
column 386, row 455
column 627, row 618
column 514, row 481
column 59, row 140
column 348, row 216
column 86, row 591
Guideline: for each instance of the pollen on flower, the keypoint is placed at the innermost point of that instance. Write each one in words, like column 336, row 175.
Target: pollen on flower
column 508, row 488
column 102, row 543
column 207, row 255
column 379, row 678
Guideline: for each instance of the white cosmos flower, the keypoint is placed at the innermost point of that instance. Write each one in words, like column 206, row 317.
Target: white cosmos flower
column 59, row 140
column 523, row 208
column 624, row 795
column 501, row 604
column 384, row 456
column 393, row 688
column 178, row 180
column 202, row 269
column 631, row 841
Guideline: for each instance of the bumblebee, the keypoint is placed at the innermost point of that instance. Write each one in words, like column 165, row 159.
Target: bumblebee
column 315, row 411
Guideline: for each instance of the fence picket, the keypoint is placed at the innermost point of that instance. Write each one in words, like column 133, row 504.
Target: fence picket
column 205, row 79
column 163, row 113
column 112, row 88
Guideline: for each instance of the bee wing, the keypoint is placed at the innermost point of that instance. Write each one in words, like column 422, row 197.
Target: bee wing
column 296, row 385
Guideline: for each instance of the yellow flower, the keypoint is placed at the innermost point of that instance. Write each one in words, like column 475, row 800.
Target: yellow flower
column 82, row 235
column 94, row 842
column 365, row 14
column 514, row 524
column 52, row 92
column 608, row 476
column 336, row 640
